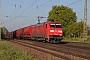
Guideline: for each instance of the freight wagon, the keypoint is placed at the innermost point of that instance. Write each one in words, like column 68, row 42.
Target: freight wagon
column 19, row 33
column 47, row 32
column 11, row 35
column 27, row 32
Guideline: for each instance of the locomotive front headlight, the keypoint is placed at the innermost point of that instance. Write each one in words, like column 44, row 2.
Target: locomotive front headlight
column 59, row 31
column 51, row 30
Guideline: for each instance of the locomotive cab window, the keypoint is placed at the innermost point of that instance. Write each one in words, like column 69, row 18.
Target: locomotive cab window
column 55, row 26
column 52, row 25
column 58, row 26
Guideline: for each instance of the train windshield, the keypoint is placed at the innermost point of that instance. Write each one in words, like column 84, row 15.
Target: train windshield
column 55, row 26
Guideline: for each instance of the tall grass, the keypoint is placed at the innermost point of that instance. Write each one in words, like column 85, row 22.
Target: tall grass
column 8, row 52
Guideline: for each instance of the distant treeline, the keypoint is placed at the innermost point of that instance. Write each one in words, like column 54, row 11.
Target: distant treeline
column 3, row 32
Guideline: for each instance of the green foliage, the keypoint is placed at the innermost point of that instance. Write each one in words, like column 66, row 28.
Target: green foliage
column 63, row 14
column 76, row 29
column 89, row 31
column 8, row 52
column 4, row 32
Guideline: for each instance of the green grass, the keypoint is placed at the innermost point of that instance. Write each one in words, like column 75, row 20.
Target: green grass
column 9, row 52
column 76, row 40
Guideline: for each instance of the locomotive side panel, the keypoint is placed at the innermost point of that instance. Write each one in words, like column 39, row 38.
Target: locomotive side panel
column 48, row 31
column 38, row 32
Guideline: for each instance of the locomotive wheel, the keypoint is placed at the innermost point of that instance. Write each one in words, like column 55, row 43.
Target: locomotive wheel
column 44, row 41
column 51, row 41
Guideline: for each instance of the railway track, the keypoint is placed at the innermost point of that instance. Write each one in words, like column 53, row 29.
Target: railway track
column 63, row 51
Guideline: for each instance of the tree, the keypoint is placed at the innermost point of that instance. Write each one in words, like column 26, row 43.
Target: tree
column 4, row 32
column 63, row 14
column 89, row 30
column 76, row 29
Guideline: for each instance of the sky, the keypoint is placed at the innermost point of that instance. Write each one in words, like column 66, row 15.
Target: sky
column 21, row 13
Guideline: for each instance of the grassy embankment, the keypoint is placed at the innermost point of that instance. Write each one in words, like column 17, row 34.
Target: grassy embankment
column 9, row 52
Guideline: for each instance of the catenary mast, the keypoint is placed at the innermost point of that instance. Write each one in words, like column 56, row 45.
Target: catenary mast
column 0, row 20
column 85, row 31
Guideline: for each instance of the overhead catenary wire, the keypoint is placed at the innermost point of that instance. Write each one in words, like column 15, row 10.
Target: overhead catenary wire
column 42, row 5
column 71, row 4
column 74, row 2
column 32, row 9
column 51, row 0
column 15, row 11
column 23, row 11
column 27, row 8
column 39, row 6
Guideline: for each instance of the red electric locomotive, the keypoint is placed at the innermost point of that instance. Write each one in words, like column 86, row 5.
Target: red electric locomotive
column 48, row 31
